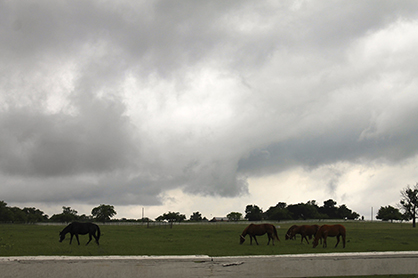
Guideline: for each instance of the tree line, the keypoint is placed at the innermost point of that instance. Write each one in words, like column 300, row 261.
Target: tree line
column 301, row 211
column 281, row 211
column 101, row 213
column 104, row 213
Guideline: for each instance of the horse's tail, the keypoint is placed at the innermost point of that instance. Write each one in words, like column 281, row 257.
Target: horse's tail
column 98, row 233
column 275, row 233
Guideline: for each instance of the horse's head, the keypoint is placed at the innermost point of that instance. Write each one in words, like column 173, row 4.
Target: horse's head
column 241, row 239
column 62, row 236
column 315, row 243
column 287, row 236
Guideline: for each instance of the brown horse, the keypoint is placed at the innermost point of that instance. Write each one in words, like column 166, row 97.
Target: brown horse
column 330, row 230
column 304, row 231
column 259, row 230
column 290, row 234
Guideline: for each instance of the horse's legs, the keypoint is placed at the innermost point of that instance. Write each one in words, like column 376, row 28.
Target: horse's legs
column 338, row 241
column 325, row 242
column 76, row 236
column 71, row 238
column 96, row 238
column 270, row 236
column 255, row 240
column 89, row 239
column 343, row 236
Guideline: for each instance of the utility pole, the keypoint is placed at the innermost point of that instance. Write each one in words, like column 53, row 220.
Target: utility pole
column 371, row 216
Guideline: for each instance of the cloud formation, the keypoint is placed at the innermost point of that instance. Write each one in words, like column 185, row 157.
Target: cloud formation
column 120, row 103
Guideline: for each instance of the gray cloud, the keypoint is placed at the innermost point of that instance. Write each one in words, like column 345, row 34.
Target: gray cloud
column 123, row 101
column 36, row 144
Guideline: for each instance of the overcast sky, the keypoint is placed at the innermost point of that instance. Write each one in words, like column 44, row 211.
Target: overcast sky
column 207, row 105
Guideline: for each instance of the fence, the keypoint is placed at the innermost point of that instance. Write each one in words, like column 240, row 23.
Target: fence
column 306, row 265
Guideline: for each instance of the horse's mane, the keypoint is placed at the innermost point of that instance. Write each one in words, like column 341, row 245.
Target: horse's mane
column 244, row 233
column 67, row 229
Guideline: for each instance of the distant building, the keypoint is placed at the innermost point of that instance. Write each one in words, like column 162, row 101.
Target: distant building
column 219, row 219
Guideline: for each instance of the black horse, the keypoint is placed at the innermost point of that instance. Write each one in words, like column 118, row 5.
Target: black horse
column 77, row 228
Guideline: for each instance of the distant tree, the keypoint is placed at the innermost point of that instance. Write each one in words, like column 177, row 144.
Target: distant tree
column 85, row 218
column 409, row 202
column 35, row 215
column 389, row 213
column 144, row 219
column 171, row 217
column 318, row 214
column 68, row 215
column 329, row 209
column 196, row 216
column 253, row 213
column 278, row 212
column 5, row 213
column 18, row 215
column 303, row 211
column 312, row 203
column 345, row 213
column 234, row 216
column 103, row 213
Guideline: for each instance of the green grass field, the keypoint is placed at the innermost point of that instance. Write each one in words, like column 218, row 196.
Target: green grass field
column 205, row 239
column 200, row 239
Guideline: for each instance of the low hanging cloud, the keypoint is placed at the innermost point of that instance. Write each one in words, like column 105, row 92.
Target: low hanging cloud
column 120, row 102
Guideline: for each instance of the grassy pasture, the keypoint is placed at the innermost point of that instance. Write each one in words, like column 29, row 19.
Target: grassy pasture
column 206, row 239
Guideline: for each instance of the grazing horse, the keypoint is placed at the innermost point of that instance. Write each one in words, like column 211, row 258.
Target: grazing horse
column 304, row 231
column 77, row 228
column 290, row 234
column 259, row 230
column 329, row 230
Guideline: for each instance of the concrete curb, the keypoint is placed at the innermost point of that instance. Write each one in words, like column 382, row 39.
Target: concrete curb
column 302, row 265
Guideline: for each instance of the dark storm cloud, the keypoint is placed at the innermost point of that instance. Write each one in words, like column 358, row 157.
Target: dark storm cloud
column 346, row 142
column 35, row 144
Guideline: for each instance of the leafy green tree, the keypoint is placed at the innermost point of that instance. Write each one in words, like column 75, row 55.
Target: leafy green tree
column 196, row 216
column 345, row 213
column 329, row 209
column 278, row 212
column 253, row 213
column 103, row 212
column 85, row 218
column 18, row 215
column 5, row 213
column 171, row 217
column 304, row 211
column 35, row 215
column 409, row 203
column 234, row 216
column 389, row 213
column 318, row 215
column 68, row 215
